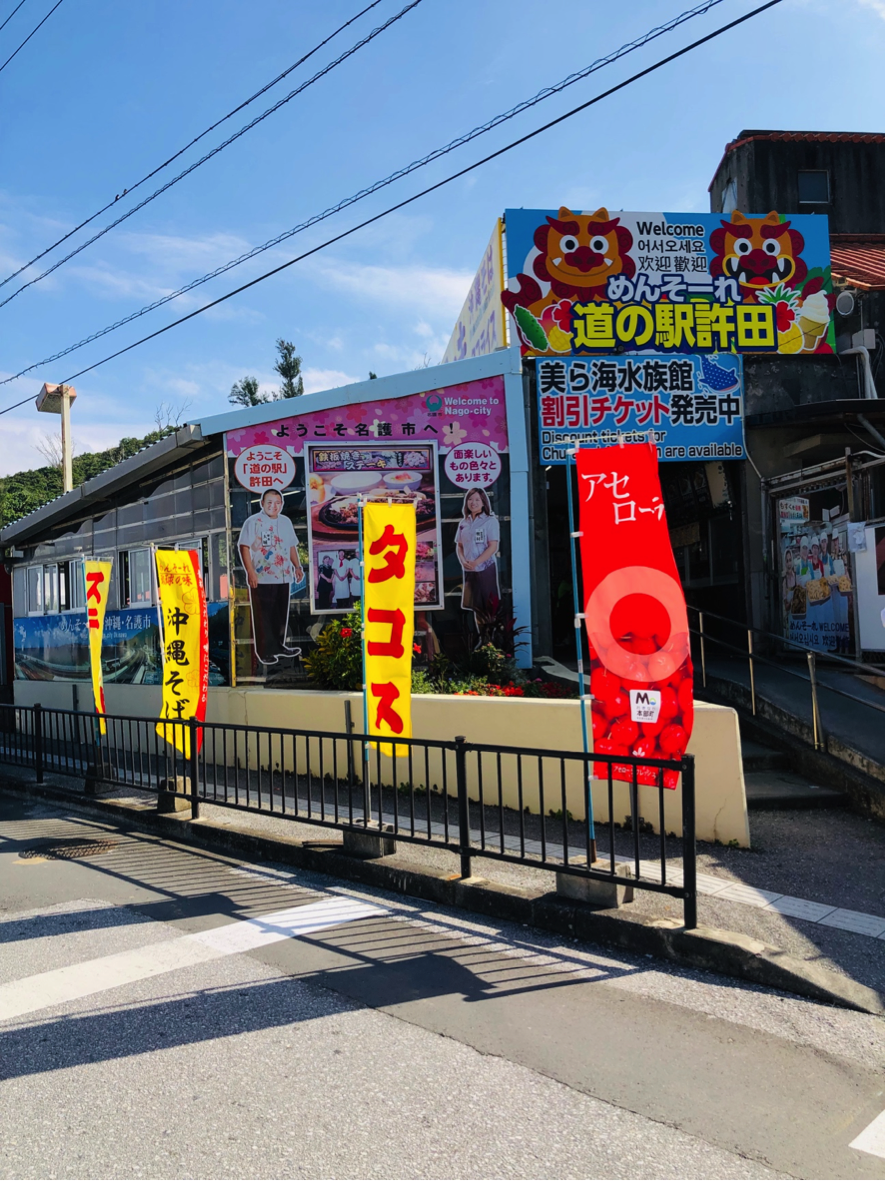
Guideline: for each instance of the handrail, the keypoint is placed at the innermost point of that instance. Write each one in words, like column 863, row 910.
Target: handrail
column 855, row 665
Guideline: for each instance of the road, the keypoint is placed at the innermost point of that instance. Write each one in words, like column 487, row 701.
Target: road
column 169, row 1012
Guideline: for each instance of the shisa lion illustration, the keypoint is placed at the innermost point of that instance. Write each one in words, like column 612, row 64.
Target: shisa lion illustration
column 764, row 257
column 577, row 252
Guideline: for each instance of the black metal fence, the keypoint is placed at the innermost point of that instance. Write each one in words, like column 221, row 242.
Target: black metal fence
column 508, row 803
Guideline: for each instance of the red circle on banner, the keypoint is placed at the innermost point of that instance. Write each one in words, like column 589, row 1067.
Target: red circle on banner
column 641, row 616
column 668, row 597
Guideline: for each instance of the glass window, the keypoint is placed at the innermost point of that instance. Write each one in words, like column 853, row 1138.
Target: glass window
column 137, row 584
column 19, row 592
column 813, row 188
column 218, row 587
column 71, row 585
column 35, row 590
column 50, row 589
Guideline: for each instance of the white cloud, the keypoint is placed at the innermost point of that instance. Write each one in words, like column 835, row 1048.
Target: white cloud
column 327, row 379
column 434, row 292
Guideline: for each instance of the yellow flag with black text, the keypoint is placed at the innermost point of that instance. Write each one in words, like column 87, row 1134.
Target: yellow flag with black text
column 388, row 619
column 97, row 579
column 185, row 640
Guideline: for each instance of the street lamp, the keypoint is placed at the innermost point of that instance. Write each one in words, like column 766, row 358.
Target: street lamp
column 57, row 399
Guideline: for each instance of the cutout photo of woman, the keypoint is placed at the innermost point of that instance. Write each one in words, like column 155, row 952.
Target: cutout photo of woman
column 269, row 553
column 477, row 542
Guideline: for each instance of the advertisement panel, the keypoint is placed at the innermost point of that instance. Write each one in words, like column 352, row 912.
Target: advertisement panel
column 340, row 476
column 588, row 283
column 691, row 407
column 869, row 569
column 635, row 613
column 97, row 580
column 185, row 645
column 481, row 326
column 389, row 561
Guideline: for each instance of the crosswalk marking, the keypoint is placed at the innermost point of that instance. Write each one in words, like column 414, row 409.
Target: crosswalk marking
column 873, row 1139
column 63, row 985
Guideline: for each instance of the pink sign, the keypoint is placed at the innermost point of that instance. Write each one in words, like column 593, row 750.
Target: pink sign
column 473, row 465
column 473, row 412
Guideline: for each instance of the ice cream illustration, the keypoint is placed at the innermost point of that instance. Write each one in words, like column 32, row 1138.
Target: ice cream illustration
column 813, row 319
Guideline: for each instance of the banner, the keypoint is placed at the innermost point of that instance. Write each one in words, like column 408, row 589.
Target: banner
column 185, row 640
column 635, row 613
column 388, row 619
column 691, row 405
column 674, row 282
column 481, row 327
column 97, row 577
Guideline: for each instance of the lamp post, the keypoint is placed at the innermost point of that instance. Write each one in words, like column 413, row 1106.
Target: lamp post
column 57, row 399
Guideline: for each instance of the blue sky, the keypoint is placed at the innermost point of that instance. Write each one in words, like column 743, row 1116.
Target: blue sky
column 105, row 91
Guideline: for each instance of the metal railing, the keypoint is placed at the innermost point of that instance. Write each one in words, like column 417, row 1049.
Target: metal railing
column 810, row 677
column 506, row 803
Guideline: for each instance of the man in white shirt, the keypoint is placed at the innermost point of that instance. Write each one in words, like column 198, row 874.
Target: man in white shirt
column 341, row 585
column 269, row 553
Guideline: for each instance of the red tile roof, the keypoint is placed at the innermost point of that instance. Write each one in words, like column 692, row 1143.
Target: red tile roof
column 821, row 137
column 859, row 260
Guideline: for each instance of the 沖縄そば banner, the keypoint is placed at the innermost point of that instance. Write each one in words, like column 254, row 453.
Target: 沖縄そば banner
column 296, row 484
column 591, row 283
column 690, row 407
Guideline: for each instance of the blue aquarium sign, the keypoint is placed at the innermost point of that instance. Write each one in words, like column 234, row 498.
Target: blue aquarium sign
column 689, row 406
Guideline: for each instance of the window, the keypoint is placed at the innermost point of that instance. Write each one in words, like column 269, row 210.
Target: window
column 137, row 583
column 50, row 589
column 35, row 590
column 71, row 585
column 19, row 592
column 813, row 188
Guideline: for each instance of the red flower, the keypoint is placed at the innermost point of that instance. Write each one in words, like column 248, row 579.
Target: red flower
column 784, row 316
column 416, row 648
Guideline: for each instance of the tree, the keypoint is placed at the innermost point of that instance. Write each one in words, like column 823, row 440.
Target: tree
column 169, row 417
column 289, row 367
column 373, row 376
column 245, row 393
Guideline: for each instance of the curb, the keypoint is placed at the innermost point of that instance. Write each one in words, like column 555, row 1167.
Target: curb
column 728, row 953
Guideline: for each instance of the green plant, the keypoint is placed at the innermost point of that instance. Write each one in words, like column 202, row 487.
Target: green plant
column 558, row 815
column 337, row 660
column 498, row 626
column 422, row 683
column 491, row 663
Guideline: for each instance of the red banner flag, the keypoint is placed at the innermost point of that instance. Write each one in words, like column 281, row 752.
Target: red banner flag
column 635, row 612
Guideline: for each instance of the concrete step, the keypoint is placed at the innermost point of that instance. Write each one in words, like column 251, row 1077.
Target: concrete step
column 757, row 757
column 784, row 789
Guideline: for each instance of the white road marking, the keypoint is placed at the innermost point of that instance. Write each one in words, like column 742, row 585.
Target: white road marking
column 126, row 967
column 873, row 1139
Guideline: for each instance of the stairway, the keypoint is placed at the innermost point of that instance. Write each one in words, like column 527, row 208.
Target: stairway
column 770, row 783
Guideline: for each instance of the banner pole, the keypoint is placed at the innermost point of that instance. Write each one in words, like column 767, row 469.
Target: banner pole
column 367, row 806
column 582, row 703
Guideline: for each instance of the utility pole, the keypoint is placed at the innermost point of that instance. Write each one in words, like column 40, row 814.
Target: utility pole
column 57, row 399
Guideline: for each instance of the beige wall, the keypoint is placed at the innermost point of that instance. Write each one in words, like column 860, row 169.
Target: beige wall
column 721, row 810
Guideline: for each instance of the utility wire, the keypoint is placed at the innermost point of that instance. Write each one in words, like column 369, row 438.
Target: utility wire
column 431, row 188
column 30, row 35
column 316, row 218
column 131, row 188
column 11, row 15
column 214, row 152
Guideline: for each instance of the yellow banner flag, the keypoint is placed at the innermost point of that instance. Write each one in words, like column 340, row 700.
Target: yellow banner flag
column 388, row 619
column 97, row 578
column 185, row 640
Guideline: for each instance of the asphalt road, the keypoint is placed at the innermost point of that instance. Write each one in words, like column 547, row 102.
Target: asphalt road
column 166, row 1012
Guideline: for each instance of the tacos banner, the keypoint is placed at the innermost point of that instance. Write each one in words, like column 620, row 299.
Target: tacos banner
column 635, row 613
column 388, row 619
column 586, row 283
column 97, row 576
column 185, row 644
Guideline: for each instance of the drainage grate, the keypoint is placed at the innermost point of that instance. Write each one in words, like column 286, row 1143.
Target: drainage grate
column 69, row 850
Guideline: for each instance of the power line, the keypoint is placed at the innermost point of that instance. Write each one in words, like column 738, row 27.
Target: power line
column 431, row 188
column 30, row 35
column 131, row 188
column 374, row 188
column 220, row 147
column 11, row 15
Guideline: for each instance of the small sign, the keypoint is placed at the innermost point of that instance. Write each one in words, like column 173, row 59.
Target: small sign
column 793, row 512
column 645, row 705
column 473, row 465
column 260, row 467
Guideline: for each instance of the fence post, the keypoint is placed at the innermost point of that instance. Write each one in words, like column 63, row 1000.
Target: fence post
column 192, row 759
column 690, row 891
column 817, row 742
column 38, row 741
column 464, row 820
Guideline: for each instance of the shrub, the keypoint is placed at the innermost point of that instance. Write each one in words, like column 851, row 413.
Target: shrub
column 337, row 660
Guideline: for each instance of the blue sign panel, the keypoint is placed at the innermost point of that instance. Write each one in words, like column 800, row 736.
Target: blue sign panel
column 690, row 406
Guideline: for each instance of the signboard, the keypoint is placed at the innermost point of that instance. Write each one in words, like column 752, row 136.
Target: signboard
column 481, row 326
column 635, row 613
column 792, row 512
column 185, row 645
column 262, row 467
column 97, row 577
column 586, row 283
column 691, row 407
column 389, row 542
column 338, row 476
column 869, row 568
